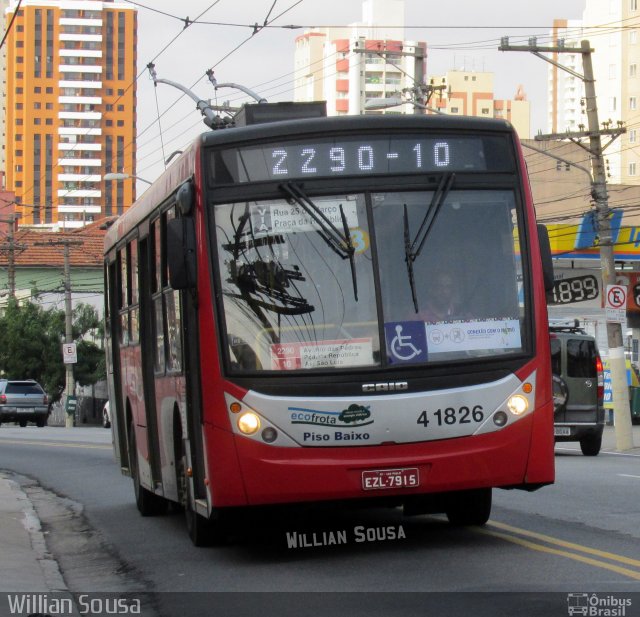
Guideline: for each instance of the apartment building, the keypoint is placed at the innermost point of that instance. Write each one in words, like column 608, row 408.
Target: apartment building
column 612, row 29
column 356, row 67
column 69, row 104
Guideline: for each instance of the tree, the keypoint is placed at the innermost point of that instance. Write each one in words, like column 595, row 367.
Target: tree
column 31, row 345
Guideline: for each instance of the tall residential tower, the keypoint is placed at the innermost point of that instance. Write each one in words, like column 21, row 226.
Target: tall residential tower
column 70, row 102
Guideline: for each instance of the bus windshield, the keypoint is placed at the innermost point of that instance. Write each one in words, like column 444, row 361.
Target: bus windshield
column 432, row 276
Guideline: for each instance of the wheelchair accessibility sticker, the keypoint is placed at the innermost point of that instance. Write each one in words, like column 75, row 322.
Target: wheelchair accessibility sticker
column 406, row 341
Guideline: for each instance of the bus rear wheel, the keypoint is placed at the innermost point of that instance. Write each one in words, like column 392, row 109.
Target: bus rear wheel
column 148, row 503
column 469, row 507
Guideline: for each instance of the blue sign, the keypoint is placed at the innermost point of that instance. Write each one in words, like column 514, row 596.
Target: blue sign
column 406, row 341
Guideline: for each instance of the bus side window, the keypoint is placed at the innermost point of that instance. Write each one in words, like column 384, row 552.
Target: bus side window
column 134, row 309
column 123, row 295
column 156, row 292
column 172, row 307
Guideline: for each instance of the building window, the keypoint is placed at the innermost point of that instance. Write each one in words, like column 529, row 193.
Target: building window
column 632, row 70
column 632, row 169
column 632, row 102
column 49, row 90
column 49, row 121
column 633, row 37
column 613, row 103
column 485, row 111
column 454, row 110
column 37, row 90
column 633, row 5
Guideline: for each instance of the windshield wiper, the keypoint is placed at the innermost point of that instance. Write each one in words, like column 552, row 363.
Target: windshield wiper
column 413, row 248
column 340, row 243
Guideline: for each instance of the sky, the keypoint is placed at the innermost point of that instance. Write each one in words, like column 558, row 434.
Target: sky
column 460, row 34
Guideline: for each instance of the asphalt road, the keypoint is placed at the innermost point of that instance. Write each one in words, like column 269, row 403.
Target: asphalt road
column 580, row 535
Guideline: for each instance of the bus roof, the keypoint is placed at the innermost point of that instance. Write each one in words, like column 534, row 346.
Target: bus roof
column 183, row 167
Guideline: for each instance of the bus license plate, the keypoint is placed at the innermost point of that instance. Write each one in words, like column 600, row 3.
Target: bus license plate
column 390, row 478
column 561, row 431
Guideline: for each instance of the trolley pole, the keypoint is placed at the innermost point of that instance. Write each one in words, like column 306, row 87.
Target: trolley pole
column 617, row 364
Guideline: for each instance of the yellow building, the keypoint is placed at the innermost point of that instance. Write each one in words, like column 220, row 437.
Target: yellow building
column 470, row 93
column 70, row 109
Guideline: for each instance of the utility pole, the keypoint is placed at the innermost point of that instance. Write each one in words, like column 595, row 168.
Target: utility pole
column 622, row 415
column 420, row 93
column 10, row 246
column 68, row 311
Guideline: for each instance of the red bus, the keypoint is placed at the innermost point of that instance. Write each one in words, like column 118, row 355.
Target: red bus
column 332, row 309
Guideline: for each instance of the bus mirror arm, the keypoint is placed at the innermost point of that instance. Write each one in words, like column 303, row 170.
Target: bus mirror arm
column 545, row 254
column 181, row 253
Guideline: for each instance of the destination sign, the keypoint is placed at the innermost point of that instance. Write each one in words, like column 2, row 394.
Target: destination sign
column 377, row 155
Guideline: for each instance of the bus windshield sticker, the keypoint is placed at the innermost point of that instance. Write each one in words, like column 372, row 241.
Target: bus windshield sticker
column 282, row 217
column 322, row 354
column 406, row 341
column 473, row 335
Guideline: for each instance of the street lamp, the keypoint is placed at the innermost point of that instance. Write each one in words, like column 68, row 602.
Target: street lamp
column 119, row 176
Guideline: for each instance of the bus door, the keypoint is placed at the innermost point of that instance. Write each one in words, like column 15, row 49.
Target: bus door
column 147, row 349
column 114, row 291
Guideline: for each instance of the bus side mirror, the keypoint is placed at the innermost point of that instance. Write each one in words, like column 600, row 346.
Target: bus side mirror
column 181, row 253
column 545, row 254
column 184, row 198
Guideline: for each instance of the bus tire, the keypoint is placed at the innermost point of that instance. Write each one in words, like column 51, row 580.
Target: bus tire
column 471, row 507
column 202, row 531
column 148, row 503
column 591, row 445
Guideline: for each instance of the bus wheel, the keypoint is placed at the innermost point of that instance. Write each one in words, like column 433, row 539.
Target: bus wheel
column 202, row 531
column 469, row 507
column 147, row 502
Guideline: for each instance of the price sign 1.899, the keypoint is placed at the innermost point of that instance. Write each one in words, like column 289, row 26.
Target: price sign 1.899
column 577, row 289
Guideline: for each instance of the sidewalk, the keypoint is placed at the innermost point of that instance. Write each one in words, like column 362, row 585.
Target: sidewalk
column 609, row 440
column 26, row 565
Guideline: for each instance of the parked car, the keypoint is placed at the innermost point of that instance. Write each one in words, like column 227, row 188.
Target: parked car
column 106, row 415
column 578, row 387
column 23, row 401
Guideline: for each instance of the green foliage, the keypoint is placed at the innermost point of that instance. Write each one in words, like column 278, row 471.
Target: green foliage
column 31, row 345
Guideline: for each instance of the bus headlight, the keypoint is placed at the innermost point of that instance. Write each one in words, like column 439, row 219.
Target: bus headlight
column 517, row 404
column 249, row 423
